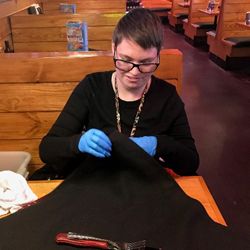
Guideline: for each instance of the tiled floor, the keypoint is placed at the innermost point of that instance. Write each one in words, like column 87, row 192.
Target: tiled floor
column 218, row 106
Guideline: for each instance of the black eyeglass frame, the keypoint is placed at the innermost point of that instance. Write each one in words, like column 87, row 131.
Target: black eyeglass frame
column 137, row 65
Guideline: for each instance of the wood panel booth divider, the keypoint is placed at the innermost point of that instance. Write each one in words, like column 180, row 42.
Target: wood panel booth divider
column 35, row 86
column 229, row 46
column 197, row 23
column 47, row 33
column 52, row 6
column 176, row 15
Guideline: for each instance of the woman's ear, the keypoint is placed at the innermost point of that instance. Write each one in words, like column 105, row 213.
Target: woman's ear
column 113, row 48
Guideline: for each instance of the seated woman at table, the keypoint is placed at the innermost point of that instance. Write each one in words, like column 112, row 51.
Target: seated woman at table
column 129, row 99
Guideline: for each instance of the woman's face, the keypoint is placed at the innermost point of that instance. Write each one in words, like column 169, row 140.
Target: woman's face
column 130, row 51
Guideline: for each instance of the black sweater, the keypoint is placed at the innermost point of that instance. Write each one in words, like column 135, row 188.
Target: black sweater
column 92, row 105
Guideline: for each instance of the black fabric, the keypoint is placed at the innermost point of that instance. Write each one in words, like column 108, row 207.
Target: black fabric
column 239, row 41
column 127, row 197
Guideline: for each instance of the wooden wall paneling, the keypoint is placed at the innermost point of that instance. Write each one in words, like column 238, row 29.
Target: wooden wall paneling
column 46, row 32
column 48, row 21
column 29, row 97
column 25, row 125
column 114, row 5
column 58, row 46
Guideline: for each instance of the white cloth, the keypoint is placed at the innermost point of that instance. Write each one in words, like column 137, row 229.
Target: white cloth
column 14, row 191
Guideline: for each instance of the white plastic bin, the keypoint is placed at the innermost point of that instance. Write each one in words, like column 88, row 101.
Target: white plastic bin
column 16, row 161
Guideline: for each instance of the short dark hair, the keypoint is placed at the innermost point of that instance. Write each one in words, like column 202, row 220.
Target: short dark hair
column 142, row 26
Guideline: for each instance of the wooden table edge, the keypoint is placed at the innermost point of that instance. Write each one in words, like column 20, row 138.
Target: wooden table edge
column 212, row 201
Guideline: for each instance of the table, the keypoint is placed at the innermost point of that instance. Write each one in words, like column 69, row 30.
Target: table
column 243, row 24
column 194, row 186
column 214, row 13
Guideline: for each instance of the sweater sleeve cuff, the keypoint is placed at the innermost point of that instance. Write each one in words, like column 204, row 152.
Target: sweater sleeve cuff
column 74, row 144
column 164, row 144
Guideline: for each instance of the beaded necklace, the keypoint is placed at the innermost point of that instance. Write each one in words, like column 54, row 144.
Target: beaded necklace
column 137, row 116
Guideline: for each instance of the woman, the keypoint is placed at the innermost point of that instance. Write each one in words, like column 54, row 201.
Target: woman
column 131, row 100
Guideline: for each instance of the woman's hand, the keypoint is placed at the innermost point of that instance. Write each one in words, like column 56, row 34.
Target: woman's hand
column 147, row 143
column 96, row 143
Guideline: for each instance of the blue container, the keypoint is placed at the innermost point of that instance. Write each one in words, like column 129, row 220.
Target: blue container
column 77, row 36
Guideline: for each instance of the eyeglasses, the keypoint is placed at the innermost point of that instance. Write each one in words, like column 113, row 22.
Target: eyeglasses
column 126, row 66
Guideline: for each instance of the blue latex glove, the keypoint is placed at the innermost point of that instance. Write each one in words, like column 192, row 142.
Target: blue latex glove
column 96, row 143
column 147, row 143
